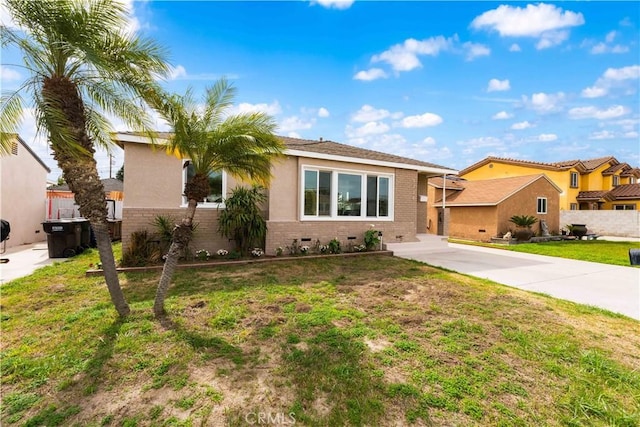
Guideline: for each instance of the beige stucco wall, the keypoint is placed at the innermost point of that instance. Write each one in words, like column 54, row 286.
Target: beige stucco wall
column 23, row 186
column 468, row 222
column 285, row 225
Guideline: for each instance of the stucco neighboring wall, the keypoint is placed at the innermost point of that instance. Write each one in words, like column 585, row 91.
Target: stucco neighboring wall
column 23, row 187
column 468, row 222
column 524, row 202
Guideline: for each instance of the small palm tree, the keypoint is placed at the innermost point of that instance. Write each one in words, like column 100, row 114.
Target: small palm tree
column 243, row 145
column 524, row 221
column 82, row 65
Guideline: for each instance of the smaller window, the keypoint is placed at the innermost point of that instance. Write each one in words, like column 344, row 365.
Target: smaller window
column 542, row 205
column 573, row 206
column 632, row 180
column 616, row 180
column 574, row 179
column 624, row 207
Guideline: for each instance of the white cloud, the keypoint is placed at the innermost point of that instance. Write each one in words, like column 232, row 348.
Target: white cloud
column 294, row 135
column 429, row 141
column 592, row 112
column 502, row 115
column 496, row 85
column 370, row 128
column 605, row 134
column 177, row 72
column 334, row 4
column 420, row 121
column 547, row 137
column 404, row 56
column 323, row 112
column 245, row 107
column 602, row 48
column 611, row 36
column 544, row 102
column 532, row 21
column 521, row 125
column 631, row 134
column 552, row 38
column 612, row 78
column 367, row 113
column 475, row 50
column 514, row 48
column 295, row 123
column 7, row 74
column 370, row 74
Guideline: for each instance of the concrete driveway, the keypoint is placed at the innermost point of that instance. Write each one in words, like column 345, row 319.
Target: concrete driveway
column 24, row 260
column 612, row 287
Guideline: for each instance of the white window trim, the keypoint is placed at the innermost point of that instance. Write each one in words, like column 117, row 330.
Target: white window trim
column 571, row 175
column 205, row 205
column 546, row 207
column 334, row 194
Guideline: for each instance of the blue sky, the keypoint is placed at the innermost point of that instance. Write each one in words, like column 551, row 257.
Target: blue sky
column 444, row 82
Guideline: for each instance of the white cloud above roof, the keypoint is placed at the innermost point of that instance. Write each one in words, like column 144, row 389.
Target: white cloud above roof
column 369, row 128
column 496, row 85
column 531, row 21
column 521, row 125
column 547, row 137
column 245, row 107
column 334, row 4
column 502, row 115
column 323, row 112
column 475, row 50
column 515, row 47
column 293, row 123
column 592, row 112
column 604, row 134
column 370, row 74
column 544, row 102
column 612, row 78
column 404, row 56
column 368, row 113
column 421, row 121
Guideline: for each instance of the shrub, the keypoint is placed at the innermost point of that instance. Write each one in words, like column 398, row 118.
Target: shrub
column 144, row 249
column 525, row 221
column 334, row 246
column 371, row 239
column 241, row 220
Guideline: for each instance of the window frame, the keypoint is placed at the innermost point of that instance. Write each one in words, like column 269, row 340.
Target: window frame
column 615, row 180
column 574, row 206
column 206, row 205
column 545, row 206
column 631, row 206
column 333, row 210
column 577, row 180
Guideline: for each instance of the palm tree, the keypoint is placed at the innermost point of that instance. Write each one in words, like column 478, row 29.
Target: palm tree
column 82, row 65
column 243, row 145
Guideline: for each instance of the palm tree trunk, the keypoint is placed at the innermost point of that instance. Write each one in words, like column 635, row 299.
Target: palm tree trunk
column 179, row 241
column 81, row 173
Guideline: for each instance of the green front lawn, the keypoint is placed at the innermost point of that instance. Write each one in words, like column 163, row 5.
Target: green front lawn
column 325, row 342
column 602, row 251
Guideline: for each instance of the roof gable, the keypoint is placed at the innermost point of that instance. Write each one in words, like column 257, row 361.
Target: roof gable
column 491, row 192
column 21, row 142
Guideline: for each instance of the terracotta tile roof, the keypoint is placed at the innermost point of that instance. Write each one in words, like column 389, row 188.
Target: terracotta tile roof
column 614, row 168
column 585, row 196
column 490, row 192
column 337, row 149
column 626, row 191
column 631, row 172
column 581, row 165
column 451, row 184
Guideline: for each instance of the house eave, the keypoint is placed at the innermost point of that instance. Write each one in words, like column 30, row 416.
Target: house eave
column 358, row 160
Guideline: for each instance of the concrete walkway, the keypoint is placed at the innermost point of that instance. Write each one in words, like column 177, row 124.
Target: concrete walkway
column 24, row 260
column 612, row 287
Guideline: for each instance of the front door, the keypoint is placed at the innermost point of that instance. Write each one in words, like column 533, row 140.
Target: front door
column 440, row 222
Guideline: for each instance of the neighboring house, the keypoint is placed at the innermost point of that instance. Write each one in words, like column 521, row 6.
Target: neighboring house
column 22, row 193
column 61, row 201
column 585, row 184
column 319, row 191
column 480, row 210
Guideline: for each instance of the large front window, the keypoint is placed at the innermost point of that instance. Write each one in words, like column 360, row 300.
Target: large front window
column 216, row 185
column 345, row 194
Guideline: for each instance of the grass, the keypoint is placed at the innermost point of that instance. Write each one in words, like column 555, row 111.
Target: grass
column 605, row 252
column 324, row 342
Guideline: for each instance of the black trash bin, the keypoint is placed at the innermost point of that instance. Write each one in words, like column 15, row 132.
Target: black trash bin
column 634, row 256
column 64, row 237
column 85, row 233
